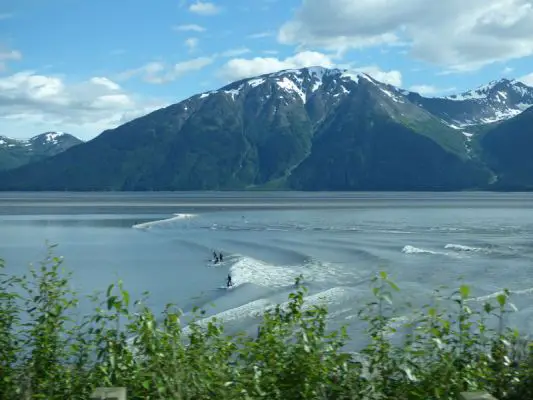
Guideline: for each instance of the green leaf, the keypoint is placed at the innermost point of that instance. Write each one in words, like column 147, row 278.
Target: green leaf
column 109, row 290
column 393, row 285
column 502, row 299
column 111, row 301
column 126, row 298
column 464, row 291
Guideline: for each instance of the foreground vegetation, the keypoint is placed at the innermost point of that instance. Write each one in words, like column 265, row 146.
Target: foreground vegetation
column 45, row 354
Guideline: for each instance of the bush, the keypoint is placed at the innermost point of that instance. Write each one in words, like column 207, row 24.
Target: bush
column 45, row 353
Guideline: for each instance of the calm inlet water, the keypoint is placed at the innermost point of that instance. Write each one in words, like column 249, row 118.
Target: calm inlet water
column 163, row 243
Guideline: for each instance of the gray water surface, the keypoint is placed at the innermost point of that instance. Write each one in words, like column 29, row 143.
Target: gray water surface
column 338, row 241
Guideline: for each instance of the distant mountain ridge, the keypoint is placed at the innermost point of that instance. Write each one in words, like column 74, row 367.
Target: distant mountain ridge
column 307, row 129
column 17, row 152
column 493, row 102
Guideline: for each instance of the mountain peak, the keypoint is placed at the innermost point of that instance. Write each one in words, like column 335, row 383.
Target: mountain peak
column 303, row 82
column 51, row 137
column 498, row 88
column 18, row 152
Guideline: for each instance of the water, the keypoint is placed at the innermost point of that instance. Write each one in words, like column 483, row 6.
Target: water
column 163, row 243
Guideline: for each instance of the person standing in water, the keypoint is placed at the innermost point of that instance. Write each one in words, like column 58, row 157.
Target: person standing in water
column 221, row 257
column 229, row 283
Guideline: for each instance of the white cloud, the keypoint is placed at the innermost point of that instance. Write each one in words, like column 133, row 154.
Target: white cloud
column 527, row 79
column 32, row 103
column 239, row 68
column 429, row 90
column 204, row 8
column 191, row 43
column 507, row 70
column 456, row 34
column 195, row 64
column 150, row 72
column 239, row 51
column 391, row 77
column 108, row 83
column 158, row 73
column 8, row 55
column 261, row 35
column 189, row 28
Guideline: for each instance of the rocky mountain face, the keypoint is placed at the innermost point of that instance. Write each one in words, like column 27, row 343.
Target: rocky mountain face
column 496, row 101
column 507, row 151
column 15, row 153
column 307, row 129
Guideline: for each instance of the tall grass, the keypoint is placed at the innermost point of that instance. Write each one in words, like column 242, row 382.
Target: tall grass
column 46, row 354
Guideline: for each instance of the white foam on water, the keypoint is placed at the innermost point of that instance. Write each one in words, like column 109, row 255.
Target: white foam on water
column 164, row 222
column 249, row 310
column 496, row 294
column 254, row 309
column 250, row 270
column 460, row 247
column 415, row 250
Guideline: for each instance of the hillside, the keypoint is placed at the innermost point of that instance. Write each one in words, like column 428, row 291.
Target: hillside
column 306, row 129
column 507, row 151
column 15, row 153
column 493, row 102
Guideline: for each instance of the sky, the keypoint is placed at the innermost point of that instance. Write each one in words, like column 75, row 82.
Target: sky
column 84, row 66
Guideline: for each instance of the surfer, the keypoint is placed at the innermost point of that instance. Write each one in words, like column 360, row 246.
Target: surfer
column 229, row 283
column 221, row 257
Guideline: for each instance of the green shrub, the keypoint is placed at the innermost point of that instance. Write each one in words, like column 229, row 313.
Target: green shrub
column 47, row 353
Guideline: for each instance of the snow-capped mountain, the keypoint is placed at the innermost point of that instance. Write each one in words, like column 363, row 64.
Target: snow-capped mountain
column 493, row 102
column 306, row 129
column 17, row 152
column 304, row 83
column 319, row 90
column 309, row 128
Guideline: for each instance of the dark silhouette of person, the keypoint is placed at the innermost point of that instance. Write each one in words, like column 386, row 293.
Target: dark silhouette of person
column 229, row 283
column 221, row 257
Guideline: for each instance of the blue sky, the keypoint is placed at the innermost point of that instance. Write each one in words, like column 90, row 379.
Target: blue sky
column 83, row 66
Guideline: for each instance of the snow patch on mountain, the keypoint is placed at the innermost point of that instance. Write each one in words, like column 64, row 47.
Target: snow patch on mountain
column 289, row 85
column 234, row 92
column 394, row 97
column 287, row 71
column 494, row 89
column 51, row 137
column 256, row 82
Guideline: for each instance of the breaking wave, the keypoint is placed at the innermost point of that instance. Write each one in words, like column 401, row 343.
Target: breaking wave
column 250, row 270
column 416, row 250
column 254, row 309
column 460, row 247
column 164, row 223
